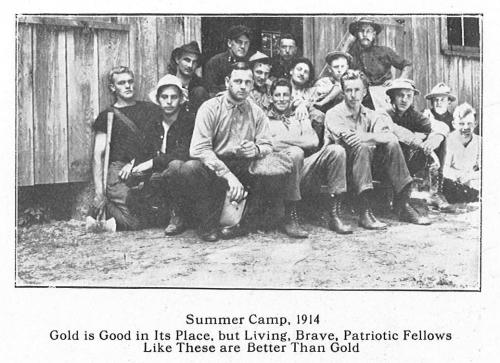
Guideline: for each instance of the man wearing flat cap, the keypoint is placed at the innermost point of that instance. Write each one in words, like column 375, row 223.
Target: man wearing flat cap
column 328, row 88
column 422, row 140
column 261, row 66
column 238, row 43
column 374, row 60
column 183, row 64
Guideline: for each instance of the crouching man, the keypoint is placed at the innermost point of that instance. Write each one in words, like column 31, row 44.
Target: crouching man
column 325, row 166
column 229, row 133
column 366, row 136
column 422, row 140
column 129, row 147
column 170, row 139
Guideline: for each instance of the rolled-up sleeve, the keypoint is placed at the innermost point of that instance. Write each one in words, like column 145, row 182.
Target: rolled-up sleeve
column 263, row 138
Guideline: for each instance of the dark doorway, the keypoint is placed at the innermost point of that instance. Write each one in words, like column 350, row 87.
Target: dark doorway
column 266, row 32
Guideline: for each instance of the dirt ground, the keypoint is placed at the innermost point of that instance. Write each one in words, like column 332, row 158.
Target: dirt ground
column 443, row 256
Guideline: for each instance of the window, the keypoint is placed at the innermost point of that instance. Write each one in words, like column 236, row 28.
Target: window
column 461, row 35
column 270, row 43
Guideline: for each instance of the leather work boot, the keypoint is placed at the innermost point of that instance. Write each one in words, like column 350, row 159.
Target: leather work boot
column 406, row 212
column 292, row 226
column 437, row 199
column 232, row 232
column 366, row 218
column 334, row 222
column 209, row 236
column 176, row 225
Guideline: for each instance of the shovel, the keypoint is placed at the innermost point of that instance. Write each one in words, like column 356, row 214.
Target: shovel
column 101, row 224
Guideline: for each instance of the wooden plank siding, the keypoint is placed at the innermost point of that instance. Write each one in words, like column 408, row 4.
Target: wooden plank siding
column 25, row 175
column 50, row 117
column 63, row 65
column 83, row 100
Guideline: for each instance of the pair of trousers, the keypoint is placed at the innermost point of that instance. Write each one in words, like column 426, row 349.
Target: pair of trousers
column 387, row 158
column 327, row 166
column 207, row 192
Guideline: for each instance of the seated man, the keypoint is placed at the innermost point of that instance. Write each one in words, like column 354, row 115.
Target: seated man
column 325, row 166
column 238, row 43
column 328, row 88
column 422, row 141
column 170, row 138
column 304, row 95
column 462, row 166
column 440, row 98
column 261, row 66
column 229, row 133
column 366, row 136
column 183, row 64
column 132, row 121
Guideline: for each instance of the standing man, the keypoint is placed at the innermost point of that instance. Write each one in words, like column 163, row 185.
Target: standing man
column 133, row 120
column 183, row 64
column 238, row 43
column 261, row 66
column 325, row 166
column 374, row 60
column 366, row 136
column 422, row 141
column 281, row 63
column 328, row 88
column 230, row 132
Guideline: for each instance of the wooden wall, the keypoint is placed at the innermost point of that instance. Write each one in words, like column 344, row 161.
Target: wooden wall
column 62, row 65
column 415, row 38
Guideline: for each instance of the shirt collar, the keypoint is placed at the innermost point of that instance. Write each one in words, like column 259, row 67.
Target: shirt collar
column 230, row 104
column 345, row 111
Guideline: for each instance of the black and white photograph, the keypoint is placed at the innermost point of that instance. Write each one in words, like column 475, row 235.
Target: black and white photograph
column 316, row 152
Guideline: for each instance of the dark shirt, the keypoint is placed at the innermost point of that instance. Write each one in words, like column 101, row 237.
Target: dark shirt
column 376, row 62
column 125, row 145
column 178, row 140
column 446, row 117
column 411, row 120
column 280, row 68
column 216, row 69
column 198, row 93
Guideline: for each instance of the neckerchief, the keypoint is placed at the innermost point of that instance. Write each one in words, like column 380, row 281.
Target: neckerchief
column 283, row 117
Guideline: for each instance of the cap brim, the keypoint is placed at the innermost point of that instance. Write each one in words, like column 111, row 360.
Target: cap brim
column 451, row 97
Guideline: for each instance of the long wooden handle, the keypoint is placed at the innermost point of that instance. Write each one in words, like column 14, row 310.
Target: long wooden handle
column 106, row 154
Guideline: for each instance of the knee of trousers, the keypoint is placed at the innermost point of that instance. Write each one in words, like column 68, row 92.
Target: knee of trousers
column 296, row 153
column 173, row 169
column 192, row 168
column 335, row 151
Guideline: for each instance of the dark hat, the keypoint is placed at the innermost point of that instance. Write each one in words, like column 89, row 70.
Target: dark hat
column 238, row 30
column 337, row 54
column 192, row 48
column 354, row 26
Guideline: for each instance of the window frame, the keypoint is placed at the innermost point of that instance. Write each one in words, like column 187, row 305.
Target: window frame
column 459, row 50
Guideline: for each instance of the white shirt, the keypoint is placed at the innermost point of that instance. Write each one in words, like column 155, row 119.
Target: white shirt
column 164, row 142
column 462, row 159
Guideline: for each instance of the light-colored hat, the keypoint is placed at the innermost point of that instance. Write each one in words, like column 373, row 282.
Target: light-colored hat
column 441, row 89
column 336, row 54
column 354, row 26
column 401, row 84
column 259, row 57
column 168, row 80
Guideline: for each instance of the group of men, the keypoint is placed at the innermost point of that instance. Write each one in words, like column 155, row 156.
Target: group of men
column 195, row 144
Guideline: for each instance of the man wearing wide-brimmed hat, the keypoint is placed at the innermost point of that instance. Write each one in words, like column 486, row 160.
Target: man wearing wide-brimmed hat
column 238, row 39
column 170, row 139
column 375, row 60
column 184, row 61
column 422, row 140
column 328, row 88
column 261, row 67
column 440, row 98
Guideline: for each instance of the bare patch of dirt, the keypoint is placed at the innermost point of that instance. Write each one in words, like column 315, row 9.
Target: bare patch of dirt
column 443, row 256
